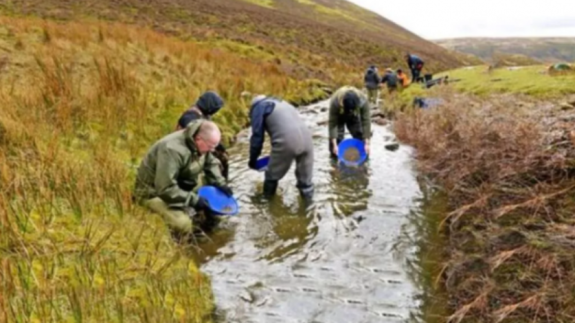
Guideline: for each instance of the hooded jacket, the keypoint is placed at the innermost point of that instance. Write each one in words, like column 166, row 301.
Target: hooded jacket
column 171, row 169
column 371, row 79
column 336, row 111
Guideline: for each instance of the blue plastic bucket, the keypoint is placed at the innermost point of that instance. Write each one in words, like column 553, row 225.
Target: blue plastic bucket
column 219, row 202
column 351, row 143
column 262, row 163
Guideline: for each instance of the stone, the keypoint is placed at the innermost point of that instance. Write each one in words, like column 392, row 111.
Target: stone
column 380, row 121
column 324, row 109
column 565, row 106
column 392, row 147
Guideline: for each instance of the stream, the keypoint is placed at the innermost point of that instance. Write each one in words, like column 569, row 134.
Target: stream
column 351, row 257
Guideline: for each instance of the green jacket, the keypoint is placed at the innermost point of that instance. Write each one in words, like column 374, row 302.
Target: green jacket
column 172, row 167
column 336, row 111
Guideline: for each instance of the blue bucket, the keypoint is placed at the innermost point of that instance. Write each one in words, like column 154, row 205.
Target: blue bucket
column 262, row 163
column 351, row 143
column 219, row 201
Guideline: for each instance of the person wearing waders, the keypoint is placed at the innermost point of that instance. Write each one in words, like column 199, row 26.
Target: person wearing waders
column 350, row 108
column 290, row 140
column 415, row 65
column 205, row 107
column 372, row 80
column 168, row 176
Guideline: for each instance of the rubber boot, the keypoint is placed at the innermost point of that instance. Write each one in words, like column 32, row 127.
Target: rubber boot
column 307, row 193
column 270, row 188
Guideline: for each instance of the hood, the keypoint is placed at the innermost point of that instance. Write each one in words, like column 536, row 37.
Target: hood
column 210, row 103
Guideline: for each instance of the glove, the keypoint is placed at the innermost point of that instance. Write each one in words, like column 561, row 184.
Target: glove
column 226, row 189
column 252, row 164
column 202, row 205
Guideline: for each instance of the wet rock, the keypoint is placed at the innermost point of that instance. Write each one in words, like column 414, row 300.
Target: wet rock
column 380, row 121
column 322, row 123
column 392, row 147
column 247, row 296
column 324, row 109
column 566, row 106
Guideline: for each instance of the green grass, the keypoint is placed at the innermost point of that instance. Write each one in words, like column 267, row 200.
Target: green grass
column 262, row 3
column 529, row 80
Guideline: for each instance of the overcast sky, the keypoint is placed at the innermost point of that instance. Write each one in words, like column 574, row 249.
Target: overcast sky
column 487, row 18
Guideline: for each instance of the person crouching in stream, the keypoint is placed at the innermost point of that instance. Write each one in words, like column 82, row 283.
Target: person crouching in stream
column 350, row 108
column 205, row 107
column 169, row 174
column 291, row 141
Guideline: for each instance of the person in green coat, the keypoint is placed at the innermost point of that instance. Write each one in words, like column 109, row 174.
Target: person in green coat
column 349, row 107
column 168, row 175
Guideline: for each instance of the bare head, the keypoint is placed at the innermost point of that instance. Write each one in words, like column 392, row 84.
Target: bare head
column 208, row 137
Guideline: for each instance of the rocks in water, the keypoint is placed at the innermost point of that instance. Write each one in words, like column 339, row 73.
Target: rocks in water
column 322, row 123
column 324, row 109
column 247, row 296
column 380, row 121
column 392, row 147
column 566, row 106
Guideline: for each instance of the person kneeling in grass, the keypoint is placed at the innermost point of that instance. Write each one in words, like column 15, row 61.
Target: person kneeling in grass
column 168, row 176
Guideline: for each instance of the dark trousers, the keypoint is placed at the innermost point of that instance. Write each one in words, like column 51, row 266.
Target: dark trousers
column 353, row 124
column 415, row 75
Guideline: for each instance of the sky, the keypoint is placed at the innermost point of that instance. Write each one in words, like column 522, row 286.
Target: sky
column 483, row 18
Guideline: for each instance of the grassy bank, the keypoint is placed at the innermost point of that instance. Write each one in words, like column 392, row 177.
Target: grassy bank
column 81, row 103
column 506, row 163
column 533, row 81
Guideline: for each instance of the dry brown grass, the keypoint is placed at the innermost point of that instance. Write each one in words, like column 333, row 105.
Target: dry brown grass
column 81, row 103
column 507, row 165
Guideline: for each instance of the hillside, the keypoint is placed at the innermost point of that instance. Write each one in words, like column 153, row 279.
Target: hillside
column 86, row 86
column 307, row 38
column 550, row 50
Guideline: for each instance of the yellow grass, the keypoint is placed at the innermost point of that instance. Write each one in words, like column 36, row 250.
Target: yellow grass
column 81, row 103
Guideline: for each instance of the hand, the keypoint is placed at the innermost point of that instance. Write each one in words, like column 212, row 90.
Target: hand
column 252, row 164
column 335, row 148
column 226, row 189
column 202, row 205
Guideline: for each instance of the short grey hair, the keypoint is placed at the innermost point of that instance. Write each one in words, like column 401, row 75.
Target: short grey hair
column 209, row 130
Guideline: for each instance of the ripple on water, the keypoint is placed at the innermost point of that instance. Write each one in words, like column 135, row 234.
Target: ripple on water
column 334, row 262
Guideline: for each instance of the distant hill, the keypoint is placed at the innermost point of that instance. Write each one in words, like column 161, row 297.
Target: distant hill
column 548, row 50
column 305, row 37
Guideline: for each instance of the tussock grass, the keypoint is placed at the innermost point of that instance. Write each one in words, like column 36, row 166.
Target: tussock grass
column 507, row 165
column 81, row 104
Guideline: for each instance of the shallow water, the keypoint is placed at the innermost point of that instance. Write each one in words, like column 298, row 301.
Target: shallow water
column 350, row 257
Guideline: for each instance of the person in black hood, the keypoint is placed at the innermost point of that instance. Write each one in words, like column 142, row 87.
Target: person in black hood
column 208, row 104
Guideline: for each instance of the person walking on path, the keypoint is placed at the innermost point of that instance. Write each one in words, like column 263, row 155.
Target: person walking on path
column 372, row 80
column 391, row 80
